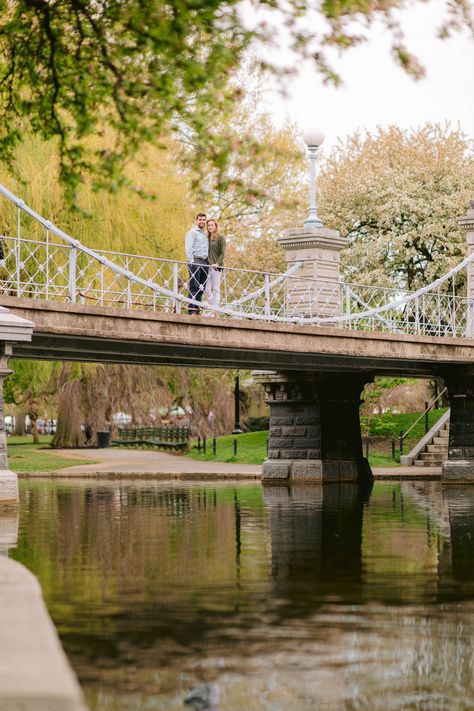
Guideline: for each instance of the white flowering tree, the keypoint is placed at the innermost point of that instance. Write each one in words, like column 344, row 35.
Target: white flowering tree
column 396, row 195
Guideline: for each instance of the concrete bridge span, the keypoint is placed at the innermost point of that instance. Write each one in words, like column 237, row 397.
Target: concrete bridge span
column 313, row 375
column 65, row 331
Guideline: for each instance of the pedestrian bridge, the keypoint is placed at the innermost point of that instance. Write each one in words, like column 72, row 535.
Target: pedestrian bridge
column 44, row 263
column 318, row 342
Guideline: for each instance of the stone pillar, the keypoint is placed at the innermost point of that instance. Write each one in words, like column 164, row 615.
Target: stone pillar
column 467, row 223
column 319, row 250
column 8, row 479
column 12, row 329
column 460, row 463
column 314, row 427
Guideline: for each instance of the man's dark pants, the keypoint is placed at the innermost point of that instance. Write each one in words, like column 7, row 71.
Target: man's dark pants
column 198, row 273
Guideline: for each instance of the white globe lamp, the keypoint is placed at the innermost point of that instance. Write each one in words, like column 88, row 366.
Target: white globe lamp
column 313, row 137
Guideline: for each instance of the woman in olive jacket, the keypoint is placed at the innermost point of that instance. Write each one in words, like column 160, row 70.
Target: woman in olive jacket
column 216, row 263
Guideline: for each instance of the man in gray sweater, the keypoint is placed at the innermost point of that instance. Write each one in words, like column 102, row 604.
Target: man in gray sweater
column 197, row 255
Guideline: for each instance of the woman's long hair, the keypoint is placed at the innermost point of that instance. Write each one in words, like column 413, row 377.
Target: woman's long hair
column 215, row 234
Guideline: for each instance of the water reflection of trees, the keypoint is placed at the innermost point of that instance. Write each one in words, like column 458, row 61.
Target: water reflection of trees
column 324, row 588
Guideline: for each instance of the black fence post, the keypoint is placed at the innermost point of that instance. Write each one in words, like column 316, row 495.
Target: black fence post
column 401, row 442
column 214, row 445
column 204, row 445
column 199, row 444
column 235, row 446
column 237, row 428
column 393, row 448
column 427, row 424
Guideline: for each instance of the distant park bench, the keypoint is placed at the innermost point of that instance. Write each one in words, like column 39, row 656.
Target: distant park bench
column 165, row 437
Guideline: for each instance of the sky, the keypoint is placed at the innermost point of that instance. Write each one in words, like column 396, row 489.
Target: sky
column 377, row 92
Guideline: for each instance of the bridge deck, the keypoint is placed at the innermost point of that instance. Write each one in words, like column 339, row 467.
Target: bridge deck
column 66, row 331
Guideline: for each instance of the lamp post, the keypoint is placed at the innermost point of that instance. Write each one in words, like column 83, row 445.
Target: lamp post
column 313, row 139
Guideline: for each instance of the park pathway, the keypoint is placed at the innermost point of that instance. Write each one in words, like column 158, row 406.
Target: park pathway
column 156, row 464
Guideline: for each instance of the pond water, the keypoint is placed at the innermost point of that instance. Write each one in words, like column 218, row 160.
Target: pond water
column 238, row 596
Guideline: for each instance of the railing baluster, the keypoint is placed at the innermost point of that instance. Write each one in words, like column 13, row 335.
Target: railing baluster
column 129, row 284
column 177, row 302
column 18, row 253
column 72, row 274
column 267, row 295
column 47, row 264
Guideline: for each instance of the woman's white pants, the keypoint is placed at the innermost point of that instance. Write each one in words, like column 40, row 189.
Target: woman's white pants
column 213, row 287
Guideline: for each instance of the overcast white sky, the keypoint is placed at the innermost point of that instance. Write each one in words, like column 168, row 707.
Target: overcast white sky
column 377, row 92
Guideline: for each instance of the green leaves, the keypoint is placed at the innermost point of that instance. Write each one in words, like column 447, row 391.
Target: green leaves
column 146, row 68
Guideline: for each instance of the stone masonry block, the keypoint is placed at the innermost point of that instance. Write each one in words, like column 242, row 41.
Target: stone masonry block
column 306, row 421
column 305, row 442
column 293, row 454
column 275, row 432
column 275, row 470
column 274, row 454
column 461, row 453
column 276, row 442
column 348, row 471
column 293, row 431
column 279, row 421
column 313, row 431
column 314, row 454
column 311, row 471
column 459, row 470
column 8, row 488
column 330, row 471
column 464, row 439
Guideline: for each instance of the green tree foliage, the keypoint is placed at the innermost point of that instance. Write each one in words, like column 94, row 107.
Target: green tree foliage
column 396, row 195
column 30, row 388
column 68, row 69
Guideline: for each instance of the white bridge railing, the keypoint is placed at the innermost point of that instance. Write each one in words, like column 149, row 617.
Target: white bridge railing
column 43, row 262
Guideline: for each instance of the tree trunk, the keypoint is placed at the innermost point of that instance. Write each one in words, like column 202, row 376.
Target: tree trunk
column 34, row 428
column 20, row 423
column 68, row 430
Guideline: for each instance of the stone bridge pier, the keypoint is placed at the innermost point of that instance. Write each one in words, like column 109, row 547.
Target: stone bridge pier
column 459, row 467
column 13, row 329
column 314, row 427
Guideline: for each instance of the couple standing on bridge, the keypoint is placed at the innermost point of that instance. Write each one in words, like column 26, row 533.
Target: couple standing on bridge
column 205, row 249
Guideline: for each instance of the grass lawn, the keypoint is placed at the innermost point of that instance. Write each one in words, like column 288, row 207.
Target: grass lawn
column 24, row 456
column 252, row 446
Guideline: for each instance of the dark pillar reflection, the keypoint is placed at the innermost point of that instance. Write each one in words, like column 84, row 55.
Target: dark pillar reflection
column 316, row 538
column 460, row 501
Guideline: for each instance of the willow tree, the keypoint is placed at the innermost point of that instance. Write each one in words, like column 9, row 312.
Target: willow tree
column 396, row 195
column 70, row 69
column 123, row 220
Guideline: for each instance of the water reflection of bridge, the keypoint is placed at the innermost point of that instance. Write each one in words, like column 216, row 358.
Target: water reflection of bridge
column 323, row 593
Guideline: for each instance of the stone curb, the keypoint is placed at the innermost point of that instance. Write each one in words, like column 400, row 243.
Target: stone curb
column 418, row 473
column 35, row 674
column 159, row 476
